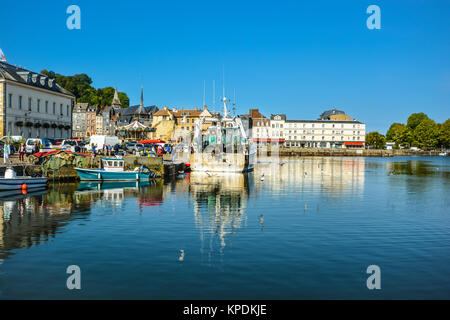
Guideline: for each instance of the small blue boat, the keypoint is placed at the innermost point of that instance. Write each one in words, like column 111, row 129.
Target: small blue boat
column 113, row 171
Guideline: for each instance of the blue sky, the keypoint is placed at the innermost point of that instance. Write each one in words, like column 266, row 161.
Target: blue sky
column 293, row 57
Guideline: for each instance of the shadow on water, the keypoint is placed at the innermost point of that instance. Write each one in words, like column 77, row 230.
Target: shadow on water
column 35, row 217
column 420, row 168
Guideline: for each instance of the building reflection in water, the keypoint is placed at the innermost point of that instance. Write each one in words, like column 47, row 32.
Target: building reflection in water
column 219, row 206
column 219, row 200
column 29, row 219
column 333, row 176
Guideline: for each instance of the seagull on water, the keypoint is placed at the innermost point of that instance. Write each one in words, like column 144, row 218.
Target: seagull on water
column 181, row 258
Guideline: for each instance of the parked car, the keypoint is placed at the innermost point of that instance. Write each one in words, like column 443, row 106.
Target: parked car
column 45, row 145
column 133, row 147
column 71, row 145
column 12, row 138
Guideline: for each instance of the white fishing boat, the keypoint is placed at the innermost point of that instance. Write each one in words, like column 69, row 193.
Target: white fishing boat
column 224, row 146
column 443, row 154
column 13, row 182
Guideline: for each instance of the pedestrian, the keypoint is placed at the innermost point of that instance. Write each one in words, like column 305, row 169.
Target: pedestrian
column 104, row 149
column 36, row 147
column 6, row 152
column 93, row 148
column 21, row 152
column 116, row 149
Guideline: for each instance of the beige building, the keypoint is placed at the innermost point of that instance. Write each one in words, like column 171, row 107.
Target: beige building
column 170, row 125
column 33, row 105
column 326, row 132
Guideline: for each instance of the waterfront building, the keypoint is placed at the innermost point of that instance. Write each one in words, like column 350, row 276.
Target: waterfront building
column 91, row 120
column 186, row 120
column 260, row 126
column 171, row 125
column 333, row 129
column 139, row 113
column 79, row 120
column 33, row 105
column 163, row 124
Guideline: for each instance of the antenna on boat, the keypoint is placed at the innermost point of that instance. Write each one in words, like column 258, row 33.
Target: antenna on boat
column 234, row 102
column 204, row 93
column 224, row 100
column 214, row 96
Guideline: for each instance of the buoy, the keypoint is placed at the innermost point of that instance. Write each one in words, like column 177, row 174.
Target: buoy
column 188, row 164
column 24, row 186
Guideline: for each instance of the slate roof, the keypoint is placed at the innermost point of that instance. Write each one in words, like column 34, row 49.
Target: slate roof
column 133, row 109
column 326, row 115
column 28, row 77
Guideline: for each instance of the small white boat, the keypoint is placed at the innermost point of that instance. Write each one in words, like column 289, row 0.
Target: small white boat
column 13, row 182
column 443, row 154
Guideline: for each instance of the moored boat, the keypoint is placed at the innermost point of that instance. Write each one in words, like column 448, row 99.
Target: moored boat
column 224, row 146
column 113, row 170
column 13, row 182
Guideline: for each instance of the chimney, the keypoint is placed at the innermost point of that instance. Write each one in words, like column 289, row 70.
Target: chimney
column 195, row 108
column 205, row 107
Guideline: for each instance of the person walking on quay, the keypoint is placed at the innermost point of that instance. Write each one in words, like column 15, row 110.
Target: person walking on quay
column 93, row 149
column 6, row 152
column 36, row 148
column 21, row 152
column 104, row 149
column 116, row 149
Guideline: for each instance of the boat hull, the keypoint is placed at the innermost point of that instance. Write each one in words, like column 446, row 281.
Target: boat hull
column 18, row 182
column 204, row 162
column 102, row 175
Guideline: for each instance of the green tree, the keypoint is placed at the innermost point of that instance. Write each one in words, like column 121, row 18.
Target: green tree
column 124, row 100
column 376, row 140
column 415, row 119
column 426, row 134
column 400, row 134
column 444, row 134
column 80, row 86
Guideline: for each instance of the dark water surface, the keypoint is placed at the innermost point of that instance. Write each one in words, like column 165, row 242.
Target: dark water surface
column 310, row 229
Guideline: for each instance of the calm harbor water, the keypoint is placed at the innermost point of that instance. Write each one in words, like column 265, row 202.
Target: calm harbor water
column 310, row 229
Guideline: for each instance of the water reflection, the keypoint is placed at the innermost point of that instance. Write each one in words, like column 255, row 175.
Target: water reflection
column 28, row 219
column 331, row 175
column 219, row 203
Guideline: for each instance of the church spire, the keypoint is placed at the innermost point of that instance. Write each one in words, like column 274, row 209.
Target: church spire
column 141, row 109
column 116, row 101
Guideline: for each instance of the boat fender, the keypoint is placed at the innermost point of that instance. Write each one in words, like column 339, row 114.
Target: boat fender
column 24, row 186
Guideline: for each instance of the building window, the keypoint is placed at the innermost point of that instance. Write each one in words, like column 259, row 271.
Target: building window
column 39, row 105
column 60, row 109
column 67, row 109
column 10, row 100
column 46, row 108
column 20, row 102
column 54, row 111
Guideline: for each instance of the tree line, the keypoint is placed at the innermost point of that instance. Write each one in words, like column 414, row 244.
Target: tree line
column 419, row 131
column 80, row 86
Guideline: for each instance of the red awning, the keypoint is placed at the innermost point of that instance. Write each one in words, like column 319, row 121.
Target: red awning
column 354, row 143
column 268, row 140
column 151, row 141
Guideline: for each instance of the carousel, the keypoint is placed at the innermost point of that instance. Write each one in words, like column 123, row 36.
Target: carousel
column 134, row 131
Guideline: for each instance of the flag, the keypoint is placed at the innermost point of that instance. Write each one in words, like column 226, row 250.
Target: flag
column 2, row 55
